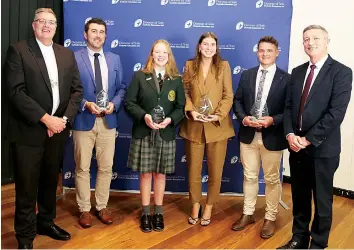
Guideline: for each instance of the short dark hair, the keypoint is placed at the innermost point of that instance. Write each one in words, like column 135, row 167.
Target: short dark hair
column 95, row 20
column 268, row 39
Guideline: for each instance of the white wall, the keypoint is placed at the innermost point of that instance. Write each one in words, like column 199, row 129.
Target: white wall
column 337, row 17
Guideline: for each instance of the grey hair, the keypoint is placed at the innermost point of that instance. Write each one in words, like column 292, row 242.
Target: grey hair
column 40, row 10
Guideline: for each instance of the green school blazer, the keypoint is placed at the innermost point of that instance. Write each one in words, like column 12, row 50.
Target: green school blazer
column 143, row 96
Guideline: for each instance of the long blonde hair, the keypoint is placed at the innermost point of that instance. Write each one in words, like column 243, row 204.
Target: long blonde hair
column 171, row 69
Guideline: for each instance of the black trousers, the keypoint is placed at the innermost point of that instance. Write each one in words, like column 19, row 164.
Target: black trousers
column 312, row 177
column 36, row 173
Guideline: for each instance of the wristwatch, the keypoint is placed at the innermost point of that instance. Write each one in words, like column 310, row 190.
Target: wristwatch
column 65, row 119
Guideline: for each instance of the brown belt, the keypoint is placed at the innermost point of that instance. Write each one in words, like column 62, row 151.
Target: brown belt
column 100, row 115
column 259, row 129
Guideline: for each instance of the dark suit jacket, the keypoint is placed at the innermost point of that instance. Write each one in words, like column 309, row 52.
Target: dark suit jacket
column 273, row 136
column 142, row 96
column 30, row 91
column 324, row 109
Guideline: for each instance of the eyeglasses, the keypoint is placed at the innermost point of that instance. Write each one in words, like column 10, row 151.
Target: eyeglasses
column 43, row 21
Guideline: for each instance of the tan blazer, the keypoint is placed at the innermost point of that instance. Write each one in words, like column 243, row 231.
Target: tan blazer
column 221, row 96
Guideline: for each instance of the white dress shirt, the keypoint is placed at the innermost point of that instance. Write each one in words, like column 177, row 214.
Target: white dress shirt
column 162, row 72
column 267, row 82
column 103, row 66
column 318, row 67
column 52, row 68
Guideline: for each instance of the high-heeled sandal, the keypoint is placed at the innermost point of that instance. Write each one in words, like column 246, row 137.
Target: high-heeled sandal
column 194, row 221
column 204, row 222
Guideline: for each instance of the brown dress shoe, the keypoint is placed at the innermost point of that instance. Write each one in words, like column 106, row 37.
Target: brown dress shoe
column 105, row 216
column 243, row 222
column 85, row 219
column 268, row 229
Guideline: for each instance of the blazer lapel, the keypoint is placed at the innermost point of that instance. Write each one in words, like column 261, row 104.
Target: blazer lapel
column 110, row 67
column 87, row 62
column 299, row 85
column 276, row 80
column 149, row 78
column 165, row 85
column 37, row 54
column 201, row 84
column 253, row 80
column 318, row 80
column 60, row 65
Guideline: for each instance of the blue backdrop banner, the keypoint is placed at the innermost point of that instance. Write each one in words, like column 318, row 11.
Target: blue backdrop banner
column 133, row 26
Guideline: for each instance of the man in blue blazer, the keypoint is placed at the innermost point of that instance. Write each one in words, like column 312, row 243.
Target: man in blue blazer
column 100, row 72
column 261, row 135
column 316, row 103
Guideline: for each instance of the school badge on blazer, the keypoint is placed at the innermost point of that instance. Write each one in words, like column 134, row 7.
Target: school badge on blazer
column 171, row 95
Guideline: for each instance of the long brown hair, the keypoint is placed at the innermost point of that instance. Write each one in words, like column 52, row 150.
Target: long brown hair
column 216, row 60
column 171, row 69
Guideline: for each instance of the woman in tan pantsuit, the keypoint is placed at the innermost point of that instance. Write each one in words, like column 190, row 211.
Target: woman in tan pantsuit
column 207, row 79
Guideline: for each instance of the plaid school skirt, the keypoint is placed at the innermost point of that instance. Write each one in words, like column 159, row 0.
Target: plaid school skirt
column 146, row 157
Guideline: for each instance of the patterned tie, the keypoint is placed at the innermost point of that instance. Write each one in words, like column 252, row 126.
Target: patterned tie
column 98, row 76
column 159, row 78
column 305, row 94
column 260, row 90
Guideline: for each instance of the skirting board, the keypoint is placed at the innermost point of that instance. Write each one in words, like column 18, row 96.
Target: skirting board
column 336, row 191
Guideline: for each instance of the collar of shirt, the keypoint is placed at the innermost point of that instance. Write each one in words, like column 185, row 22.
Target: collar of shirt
column 91, row 52
column 162, row 72
column 320, row 63
column 271, row 69
column 44, row 47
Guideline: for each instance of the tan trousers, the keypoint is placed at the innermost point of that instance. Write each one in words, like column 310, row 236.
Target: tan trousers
column 251, row 156
column 84, row 141
column 216, row 153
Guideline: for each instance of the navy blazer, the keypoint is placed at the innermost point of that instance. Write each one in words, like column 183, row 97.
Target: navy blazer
column 273, row 136
column 325, row 106
column 84, row 120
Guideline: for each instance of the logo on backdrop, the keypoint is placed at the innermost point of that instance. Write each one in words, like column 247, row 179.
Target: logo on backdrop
column 67, row 175
column 69, row 42
column 234, row 159
column 234, row 117
column 238, row 69
column 175, row 178
column 205, row 178
column 179, row 45
column 138, row 66
column 65, row 1
column 124, row 44
column 114, row 176
column 126, row 1
column 128, row 176
column 165, row 2
column 190, row 24
column 184, row 159
column 124, row 135
column 222, row 3
column 255, row 47
column 227, row 47
column 269, row 4
column 88, row 19
column 140, row 22
column 242, row 25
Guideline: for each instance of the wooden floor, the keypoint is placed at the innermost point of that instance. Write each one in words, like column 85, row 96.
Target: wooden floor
column 125, row 232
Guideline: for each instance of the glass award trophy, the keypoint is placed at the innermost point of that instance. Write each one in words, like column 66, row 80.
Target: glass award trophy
column 158, row 114
column 205, row 107
column 102, row 100
column 258, row 112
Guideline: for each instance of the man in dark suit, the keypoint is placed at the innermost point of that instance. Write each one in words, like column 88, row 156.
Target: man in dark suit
column 317, row 99
column 94, row 126
column 45, row 93
column 259, row 105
